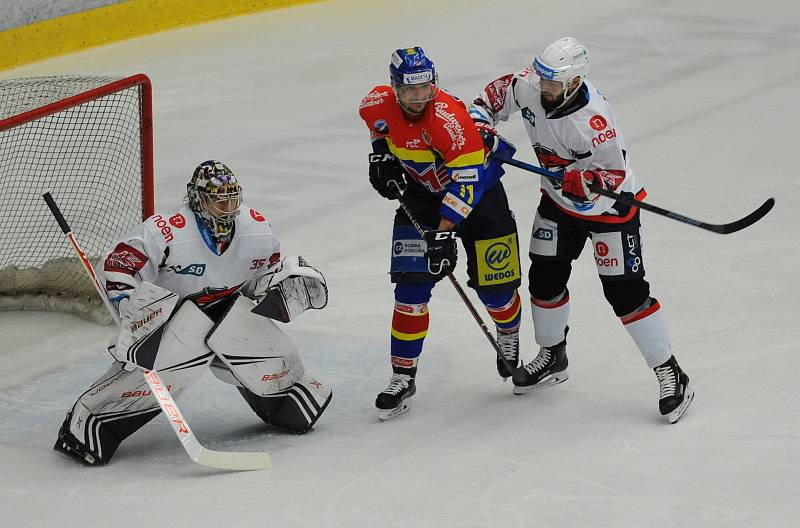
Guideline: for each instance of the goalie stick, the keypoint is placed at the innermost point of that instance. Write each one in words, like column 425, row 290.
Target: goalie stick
column 240, row 461
column 723, row 229
column 517, row 373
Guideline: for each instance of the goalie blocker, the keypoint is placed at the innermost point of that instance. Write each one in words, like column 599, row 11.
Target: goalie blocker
column 242, row 348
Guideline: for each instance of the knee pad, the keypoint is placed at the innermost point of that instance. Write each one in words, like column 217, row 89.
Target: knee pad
column 547, row 279
column 626, row 296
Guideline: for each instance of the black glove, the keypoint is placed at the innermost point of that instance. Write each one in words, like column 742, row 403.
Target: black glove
column 442, row 251
column 386, row 174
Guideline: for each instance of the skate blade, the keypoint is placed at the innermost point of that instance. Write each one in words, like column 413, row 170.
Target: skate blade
column 676, row 415
column 388, row 414
column 549, row 381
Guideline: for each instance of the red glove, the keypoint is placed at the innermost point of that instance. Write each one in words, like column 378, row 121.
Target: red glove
column 576, row 185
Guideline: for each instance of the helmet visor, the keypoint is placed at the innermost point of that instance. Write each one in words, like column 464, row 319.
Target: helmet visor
column 416, row 93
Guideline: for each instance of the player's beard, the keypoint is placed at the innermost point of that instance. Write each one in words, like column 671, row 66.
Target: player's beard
column 551, row 104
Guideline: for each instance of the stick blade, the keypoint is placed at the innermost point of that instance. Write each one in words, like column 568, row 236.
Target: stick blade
column 235, row 461
column 747, row 221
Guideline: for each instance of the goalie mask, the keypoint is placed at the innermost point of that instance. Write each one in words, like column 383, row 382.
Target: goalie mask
column 214, row 194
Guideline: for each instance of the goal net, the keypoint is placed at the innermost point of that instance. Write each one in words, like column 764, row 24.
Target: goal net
column 87, row 141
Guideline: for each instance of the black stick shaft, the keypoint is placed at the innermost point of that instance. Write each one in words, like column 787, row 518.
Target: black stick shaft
column 62, row 222
column 723, row 229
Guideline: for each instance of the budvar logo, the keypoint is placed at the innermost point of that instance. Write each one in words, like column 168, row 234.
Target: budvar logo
column 543, row 234
column 256, row 215
column 497, row 256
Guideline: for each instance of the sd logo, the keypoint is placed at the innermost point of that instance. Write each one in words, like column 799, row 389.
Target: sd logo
column 543, row 234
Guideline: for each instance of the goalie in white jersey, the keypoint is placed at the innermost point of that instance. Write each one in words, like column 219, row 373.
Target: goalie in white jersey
column 574, row 132
column 198, row 288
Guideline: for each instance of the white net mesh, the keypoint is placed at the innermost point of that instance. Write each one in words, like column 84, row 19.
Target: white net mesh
column 90, row 158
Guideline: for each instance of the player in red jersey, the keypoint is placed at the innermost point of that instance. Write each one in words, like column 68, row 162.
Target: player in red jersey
column 426, row 148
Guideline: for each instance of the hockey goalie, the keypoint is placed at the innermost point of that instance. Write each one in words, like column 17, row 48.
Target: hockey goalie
column 199, row 288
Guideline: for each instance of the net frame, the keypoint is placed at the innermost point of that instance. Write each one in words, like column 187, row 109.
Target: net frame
column 53, row 279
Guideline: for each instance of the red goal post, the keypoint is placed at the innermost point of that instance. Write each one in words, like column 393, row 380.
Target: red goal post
column 88, row 140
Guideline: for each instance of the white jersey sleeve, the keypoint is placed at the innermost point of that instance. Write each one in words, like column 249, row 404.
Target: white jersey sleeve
column 498, row 99
column 134, row 258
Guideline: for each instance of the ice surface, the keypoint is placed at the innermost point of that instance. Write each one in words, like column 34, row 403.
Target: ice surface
column 705, row 93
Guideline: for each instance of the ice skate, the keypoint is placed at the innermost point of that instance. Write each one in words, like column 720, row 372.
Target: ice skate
column 547, row 369
column 509, row 346
column 675, row 390
column 396, row 398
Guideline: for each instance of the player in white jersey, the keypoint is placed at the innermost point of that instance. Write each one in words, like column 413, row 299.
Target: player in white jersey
column 574, row 132
column 183, row 284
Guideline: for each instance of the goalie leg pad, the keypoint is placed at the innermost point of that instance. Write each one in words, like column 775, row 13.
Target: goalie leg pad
column 296, row 409
column 255, row 351
column 120, row 402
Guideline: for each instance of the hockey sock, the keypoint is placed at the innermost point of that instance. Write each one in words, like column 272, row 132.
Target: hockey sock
column 648, row 329
column 505, row 309
column 409, row 324
column 550, row 319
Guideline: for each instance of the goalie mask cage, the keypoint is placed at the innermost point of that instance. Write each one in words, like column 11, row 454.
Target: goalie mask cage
column 89, row 142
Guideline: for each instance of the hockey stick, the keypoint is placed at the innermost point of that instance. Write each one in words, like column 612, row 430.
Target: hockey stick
column 517, row 373
column 243, row 461
column 723, row 229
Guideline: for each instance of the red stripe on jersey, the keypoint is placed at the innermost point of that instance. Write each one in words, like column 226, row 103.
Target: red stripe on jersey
column 213, row 296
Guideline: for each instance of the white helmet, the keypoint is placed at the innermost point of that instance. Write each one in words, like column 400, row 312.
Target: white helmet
column 563, row 60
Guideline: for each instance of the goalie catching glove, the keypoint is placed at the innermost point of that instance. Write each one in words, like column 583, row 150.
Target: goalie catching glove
column 292, row 288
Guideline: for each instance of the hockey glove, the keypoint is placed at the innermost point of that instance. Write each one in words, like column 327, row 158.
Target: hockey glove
column 578, row 185
column 442, row 252
column 386, row 174
column 488, row 135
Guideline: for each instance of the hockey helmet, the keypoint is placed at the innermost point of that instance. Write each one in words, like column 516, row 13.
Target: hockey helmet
column 214, row 194
column 562, row 61
column 413, row 77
